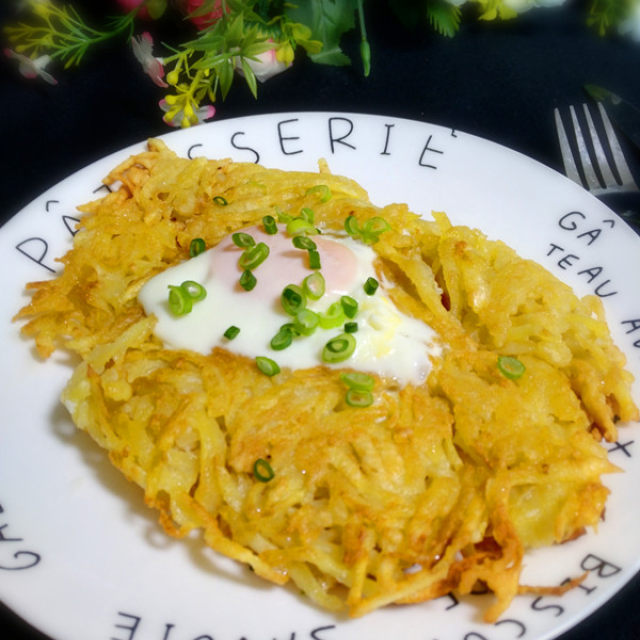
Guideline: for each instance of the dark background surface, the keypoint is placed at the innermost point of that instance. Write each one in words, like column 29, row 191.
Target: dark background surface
column 500, row 81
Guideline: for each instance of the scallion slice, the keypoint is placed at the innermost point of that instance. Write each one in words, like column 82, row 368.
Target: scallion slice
column 314, row 285
column 293, row 299
column 314, row 259
column 307, row 214
column 283, row 338
column 247, row 280
column 358, row 380
column 194, row 290
column 180, row 303
column 323, row 191
column 296, row 226
column 219, row 200
column 196, row 247
column 262, row 470
column 231, row 332
column 242, row 240
column 350, row 327
column 270, row 225
column 306, row 322
column 253, row 256
column 302, row 242
column 371, row 286
column 268, row 366
column 511, row 367
column 349, row 305
column 333, row 317
column 338, row 349
column 351, row 226
column 356, row 398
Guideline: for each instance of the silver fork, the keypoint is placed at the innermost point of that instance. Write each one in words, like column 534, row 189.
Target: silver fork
column 598, row 164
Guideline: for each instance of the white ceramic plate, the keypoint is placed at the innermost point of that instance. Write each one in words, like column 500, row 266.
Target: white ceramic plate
column 82, row 558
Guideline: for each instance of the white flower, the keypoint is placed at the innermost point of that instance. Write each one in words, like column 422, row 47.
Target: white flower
column 631, row 26
column 143, row 51
column 266, row 66
column 32, row 68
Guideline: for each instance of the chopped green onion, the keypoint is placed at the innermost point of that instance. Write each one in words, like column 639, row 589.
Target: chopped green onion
column 268, row 366
column 322, row 190
column 262, row 470
column 283, row 338
column 242, row 240
column 333, row 317
column 358, row 381
column 253, row 256
column 231, row 332
column 302, row 242
column 351, row 327
column 220, row 200
column 283, row 217
column 194, row 290
column 510, row 367
column 196, row 247
column 376, row 226
column 314, row 259
column 180, row 303
column 270, row 225
column 247, row 280
column 293, row 299
column 360, row 399
column 306, row 322
column 371, row 286
column 307, row 214
column 351, row 226
column 297, row 226
column 314, row 285
column 338, row 349
column 349, row 305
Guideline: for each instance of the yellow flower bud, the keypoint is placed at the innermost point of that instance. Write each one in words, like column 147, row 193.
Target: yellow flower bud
column 171, row 99
column 284, row 53
column 188, row 110
column 185, row 123
column 173, row 77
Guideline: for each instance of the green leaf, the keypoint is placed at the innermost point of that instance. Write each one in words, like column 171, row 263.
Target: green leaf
column 443, row 17
column 328, row 20
column 250, row 77
column 156, row 8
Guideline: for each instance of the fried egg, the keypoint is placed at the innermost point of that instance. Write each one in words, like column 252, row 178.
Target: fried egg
column 388, row 342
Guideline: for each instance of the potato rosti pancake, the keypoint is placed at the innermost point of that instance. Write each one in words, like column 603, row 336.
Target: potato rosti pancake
column 424, row 489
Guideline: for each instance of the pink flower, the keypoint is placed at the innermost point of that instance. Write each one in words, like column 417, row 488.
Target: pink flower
column 32, row 68
column 266, row 66
column 143, row 50
column 206, row 20
column 176, row 117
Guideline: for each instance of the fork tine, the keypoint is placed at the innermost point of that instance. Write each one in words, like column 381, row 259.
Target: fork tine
column 583, row 152
column 618, row 155
column 570, row 168
column 601, row 155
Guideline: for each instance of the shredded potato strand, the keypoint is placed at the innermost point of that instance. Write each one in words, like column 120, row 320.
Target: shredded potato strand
column 430, row 489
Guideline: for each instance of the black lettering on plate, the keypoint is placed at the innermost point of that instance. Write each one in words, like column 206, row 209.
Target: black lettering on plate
column 341, row 138
column 30, row 558
column 474, row 635
column 429, row 149
column 48, row 202
column 282, row 138
column 36, row 251
column 592, row 273
column 385, row 151
column 602, row 568
column 635, row 324
column 592, row 235
column 2, row 536
column 69, row 223
column 106, row 187
column 191, row 148
column 131, row 627
column 537, row 606
column 167, row 629
column 521, row 628
column 237, row 146
column 604, row 294
column 454, row 601
column 622, row 446
column 204, row 637
column 454, row 133
column 567, row 260
column 554, row 247
column 315, row 632
column 567, row 221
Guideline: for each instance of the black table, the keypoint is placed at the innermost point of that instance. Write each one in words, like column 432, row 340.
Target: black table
column 500, row 81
